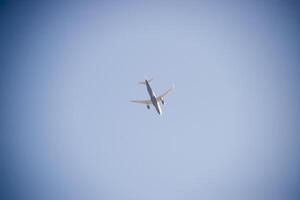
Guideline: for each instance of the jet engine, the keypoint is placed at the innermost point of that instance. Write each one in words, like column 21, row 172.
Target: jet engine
column 148, row 106
column 162, row 101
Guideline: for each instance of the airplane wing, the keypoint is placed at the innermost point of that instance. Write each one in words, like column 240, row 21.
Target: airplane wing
column 142, row 101
column 161, row 97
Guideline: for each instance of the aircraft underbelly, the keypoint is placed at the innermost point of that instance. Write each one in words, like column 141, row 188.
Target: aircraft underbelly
column 156, row 104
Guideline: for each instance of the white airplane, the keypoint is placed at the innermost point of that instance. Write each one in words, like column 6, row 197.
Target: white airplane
column 153, row 99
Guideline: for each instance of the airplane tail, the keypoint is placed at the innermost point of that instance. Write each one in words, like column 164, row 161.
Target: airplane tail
column 144, row 82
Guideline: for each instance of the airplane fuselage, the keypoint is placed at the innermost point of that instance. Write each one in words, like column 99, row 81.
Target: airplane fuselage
column 153, row 97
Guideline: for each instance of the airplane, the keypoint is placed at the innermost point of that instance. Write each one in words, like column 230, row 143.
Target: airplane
column 154, row 100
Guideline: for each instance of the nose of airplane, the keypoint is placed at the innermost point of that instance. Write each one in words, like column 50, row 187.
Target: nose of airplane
column 159, row 110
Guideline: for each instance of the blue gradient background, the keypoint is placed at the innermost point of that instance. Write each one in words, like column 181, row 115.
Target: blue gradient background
column 230, row 130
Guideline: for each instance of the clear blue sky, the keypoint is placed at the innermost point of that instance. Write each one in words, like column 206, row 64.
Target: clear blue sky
column 229, row 130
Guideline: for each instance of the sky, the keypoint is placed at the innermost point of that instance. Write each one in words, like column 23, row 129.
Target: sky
column 229, row 130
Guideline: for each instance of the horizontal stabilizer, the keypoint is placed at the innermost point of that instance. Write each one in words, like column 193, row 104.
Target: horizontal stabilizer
column 144, row 82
